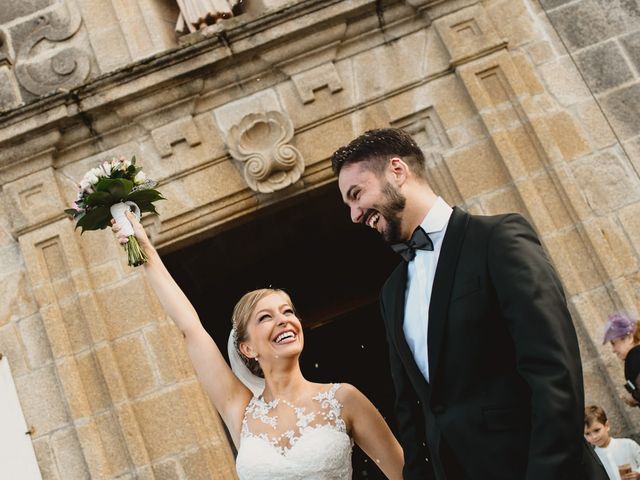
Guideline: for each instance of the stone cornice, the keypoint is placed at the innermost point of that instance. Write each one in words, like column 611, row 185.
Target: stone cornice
column 237, row 41
column 280, row 43
column 237, row 38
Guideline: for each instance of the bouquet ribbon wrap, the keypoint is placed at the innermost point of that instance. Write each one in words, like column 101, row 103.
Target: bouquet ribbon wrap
column 118, row 213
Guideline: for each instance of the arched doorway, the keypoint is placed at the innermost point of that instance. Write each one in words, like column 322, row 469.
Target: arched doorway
column 333, row 271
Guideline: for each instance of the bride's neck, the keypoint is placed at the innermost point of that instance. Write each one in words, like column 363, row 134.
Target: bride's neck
column 285, row 383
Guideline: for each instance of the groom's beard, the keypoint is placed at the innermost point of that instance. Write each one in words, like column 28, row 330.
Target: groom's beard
column 391, row 210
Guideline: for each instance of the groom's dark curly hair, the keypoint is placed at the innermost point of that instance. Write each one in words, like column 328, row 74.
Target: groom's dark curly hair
column 376, row 147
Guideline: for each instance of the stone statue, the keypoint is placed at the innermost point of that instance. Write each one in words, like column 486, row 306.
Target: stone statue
column 197, row 14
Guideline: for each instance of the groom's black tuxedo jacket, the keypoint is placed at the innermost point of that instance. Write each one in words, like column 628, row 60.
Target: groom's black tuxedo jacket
column 505, row 390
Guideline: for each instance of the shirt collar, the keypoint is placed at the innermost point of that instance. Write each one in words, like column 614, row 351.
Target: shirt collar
column 438, row 217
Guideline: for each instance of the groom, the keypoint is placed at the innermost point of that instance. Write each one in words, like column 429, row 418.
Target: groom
column 483, row 353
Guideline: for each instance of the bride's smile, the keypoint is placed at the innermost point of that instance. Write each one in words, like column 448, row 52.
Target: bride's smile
column 286, row 336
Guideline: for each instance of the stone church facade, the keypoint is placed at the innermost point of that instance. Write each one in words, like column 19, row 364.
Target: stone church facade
column 520, row 105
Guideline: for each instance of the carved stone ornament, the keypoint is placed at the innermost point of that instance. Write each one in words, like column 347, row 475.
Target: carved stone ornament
column 260, row 141
column 64, row 67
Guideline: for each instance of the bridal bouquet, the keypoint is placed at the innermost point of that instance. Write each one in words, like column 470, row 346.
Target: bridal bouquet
column 106, row 192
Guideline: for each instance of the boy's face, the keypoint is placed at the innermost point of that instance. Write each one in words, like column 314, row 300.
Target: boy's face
column 597, row 434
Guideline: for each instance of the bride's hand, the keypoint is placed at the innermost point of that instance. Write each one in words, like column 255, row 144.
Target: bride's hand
column 138, row 231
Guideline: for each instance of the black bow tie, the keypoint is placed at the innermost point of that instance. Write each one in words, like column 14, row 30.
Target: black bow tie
column 418, row 241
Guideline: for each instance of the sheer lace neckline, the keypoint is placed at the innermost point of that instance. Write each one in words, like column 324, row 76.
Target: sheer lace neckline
column 281, row 423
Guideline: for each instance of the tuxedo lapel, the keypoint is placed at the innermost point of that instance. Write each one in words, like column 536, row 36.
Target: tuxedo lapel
column 442, row 284
column 397, row 297
column 398, row 311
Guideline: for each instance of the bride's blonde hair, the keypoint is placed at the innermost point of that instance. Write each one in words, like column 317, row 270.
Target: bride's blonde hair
column 240, row 319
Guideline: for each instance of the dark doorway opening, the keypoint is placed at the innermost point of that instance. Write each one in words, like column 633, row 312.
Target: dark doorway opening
column 333, row 271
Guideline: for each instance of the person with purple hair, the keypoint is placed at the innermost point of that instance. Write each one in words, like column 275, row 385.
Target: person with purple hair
column 622, row 332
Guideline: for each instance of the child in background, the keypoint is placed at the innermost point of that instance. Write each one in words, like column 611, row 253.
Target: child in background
column 620, row 456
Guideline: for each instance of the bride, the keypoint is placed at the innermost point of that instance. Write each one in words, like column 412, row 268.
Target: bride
column 283, row 426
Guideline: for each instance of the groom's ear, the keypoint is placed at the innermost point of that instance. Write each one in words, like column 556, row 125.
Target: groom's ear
column 246, row 350
column 397, row 170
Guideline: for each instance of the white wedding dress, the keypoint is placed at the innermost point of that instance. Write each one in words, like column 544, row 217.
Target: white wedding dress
column 283, row 441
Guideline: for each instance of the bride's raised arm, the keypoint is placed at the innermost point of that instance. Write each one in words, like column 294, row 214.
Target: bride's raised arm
column 228, row 394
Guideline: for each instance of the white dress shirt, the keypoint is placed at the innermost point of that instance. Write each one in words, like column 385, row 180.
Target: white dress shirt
column 620, row 451
column 420, row 273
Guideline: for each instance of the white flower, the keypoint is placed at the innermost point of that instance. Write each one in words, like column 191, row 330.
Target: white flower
column 86, row 186
column 106, row 166
column 97, row 171
column 140, row 178
column 92, row 178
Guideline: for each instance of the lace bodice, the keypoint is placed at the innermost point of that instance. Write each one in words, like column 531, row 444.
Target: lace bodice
column 283, row 441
